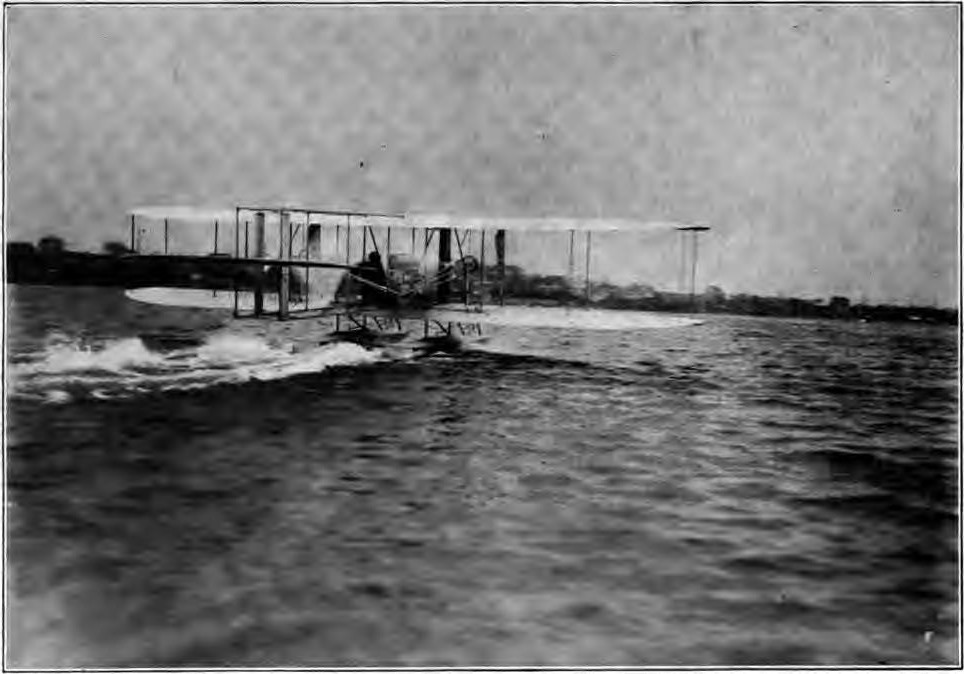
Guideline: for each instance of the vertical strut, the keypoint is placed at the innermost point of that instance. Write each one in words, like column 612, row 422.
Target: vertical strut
column 307, row 268
column 482, row 271
column 259, row 246
column 465, row 277
column 284, row 284
column 682, row 261
column 572, row 258
column 500, row 262
column 237, row 251
column 588, row 249
column 444, row 259
column 696, row 239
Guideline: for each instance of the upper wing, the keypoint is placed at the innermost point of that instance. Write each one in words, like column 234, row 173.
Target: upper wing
column 435, row 221
column 186, row 213
column 414, row 220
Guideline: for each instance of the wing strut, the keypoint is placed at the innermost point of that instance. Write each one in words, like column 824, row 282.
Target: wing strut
column 259, row 252
column 482, row 272
column 572, row 261
column 694, row 231
column 500, row 262
column 237, row 251
column 444, row 259
column 696, row 247
column 588, row 248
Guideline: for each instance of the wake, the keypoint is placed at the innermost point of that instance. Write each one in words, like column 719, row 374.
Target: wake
column 64, row 367
column 67, row 368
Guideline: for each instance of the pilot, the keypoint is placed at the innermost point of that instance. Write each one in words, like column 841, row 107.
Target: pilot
column 371, row 270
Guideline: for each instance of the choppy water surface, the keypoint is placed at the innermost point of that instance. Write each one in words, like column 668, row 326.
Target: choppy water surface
column 182, row 491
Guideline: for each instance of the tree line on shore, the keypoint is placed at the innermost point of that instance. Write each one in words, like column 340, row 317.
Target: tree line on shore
column 50, row 263
column 642, row 297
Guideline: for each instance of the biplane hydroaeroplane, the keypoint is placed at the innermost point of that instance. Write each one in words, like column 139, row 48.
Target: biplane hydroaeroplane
column 375, row 275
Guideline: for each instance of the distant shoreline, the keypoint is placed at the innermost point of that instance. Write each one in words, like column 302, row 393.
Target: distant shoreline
column 858, row 313
column 49, row 264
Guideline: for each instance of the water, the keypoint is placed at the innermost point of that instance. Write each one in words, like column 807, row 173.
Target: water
column 184, row 492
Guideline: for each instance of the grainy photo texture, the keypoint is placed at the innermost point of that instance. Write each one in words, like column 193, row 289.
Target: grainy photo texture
column 489, row 335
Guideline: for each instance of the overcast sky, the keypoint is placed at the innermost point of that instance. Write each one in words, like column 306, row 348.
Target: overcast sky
column 819, row 143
